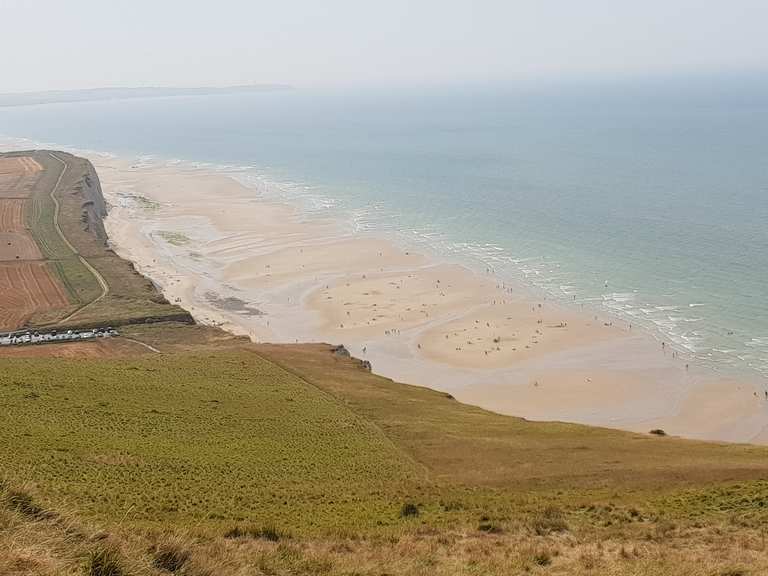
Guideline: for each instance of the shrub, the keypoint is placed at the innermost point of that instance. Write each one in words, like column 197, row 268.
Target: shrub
column 269, row 533
column 489, row 527
column 542, row 558
column 409, row 509
column 169, row 555
column 104, row 562
column 452, row 506
column 658, row 432
column 549, row 520
column 235, row 532
column 23, row 503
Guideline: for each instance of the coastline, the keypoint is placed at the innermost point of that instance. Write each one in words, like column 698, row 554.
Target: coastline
column 265, row 270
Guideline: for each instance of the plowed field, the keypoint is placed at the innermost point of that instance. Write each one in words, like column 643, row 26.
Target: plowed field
column 12, row 215
column 17, row 176
column 26, row 288
column 18, row 246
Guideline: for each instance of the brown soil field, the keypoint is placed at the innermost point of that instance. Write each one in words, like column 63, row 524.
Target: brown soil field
column 18, row 176
column 18, row 246
column 26, row 288
column 12, row 215
column 108, row 348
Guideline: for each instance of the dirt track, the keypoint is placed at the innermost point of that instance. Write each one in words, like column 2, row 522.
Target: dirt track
column 26, row 288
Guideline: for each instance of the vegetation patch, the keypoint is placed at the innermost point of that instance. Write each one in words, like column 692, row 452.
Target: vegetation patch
column 104, row 561
column 175, row 238
column 170, row 554
column 408, row 510
column 489, row 527
column 550, row 519
column 139, row 201
column 269, row 533
column 23, row 503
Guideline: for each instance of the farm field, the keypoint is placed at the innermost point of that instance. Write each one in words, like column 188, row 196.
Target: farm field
column 27, row 288
column 12, row 215
column 18, row 176
column 18, row 246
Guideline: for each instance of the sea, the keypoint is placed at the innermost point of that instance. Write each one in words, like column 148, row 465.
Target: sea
column 645, row 200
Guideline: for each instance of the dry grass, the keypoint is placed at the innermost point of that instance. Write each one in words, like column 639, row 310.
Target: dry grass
column 219, row 462
column 62, row 547
column 465, row 445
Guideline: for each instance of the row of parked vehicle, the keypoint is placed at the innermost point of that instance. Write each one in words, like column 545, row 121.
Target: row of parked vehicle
column 36, row 337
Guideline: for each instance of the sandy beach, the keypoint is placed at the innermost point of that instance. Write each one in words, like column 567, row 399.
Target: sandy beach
column 264, row 269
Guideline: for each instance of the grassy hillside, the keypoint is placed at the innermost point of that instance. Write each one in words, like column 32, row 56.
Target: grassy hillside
column 247, row 467
column 205, row 439
column 468, row 445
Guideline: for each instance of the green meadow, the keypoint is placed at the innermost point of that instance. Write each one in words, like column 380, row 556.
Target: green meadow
column 197, row 439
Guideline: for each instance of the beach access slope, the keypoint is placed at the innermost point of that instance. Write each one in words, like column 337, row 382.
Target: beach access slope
column 265, row 269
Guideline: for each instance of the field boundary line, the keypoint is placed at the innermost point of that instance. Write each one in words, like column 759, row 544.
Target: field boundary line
column 341, row 402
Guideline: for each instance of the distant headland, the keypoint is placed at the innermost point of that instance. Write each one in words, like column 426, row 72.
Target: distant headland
column 98, row 94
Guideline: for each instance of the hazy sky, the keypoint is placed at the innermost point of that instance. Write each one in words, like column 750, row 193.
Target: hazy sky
column 56, row 44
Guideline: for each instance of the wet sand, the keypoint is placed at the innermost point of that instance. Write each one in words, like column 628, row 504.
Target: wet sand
column 266, row 270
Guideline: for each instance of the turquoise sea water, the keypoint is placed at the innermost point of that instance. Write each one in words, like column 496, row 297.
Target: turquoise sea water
column 645, row 200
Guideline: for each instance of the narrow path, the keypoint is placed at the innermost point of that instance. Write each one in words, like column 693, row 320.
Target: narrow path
column 96, row 274
column 152, row 348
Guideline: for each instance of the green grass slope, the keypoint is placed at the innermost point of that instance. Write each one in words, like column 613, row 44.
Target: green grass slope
column 283, row 460
column 196, row 439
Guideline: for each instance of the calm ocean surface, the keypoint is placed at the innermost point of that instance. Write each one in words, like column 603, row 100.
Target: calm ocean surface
column 648, row 201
